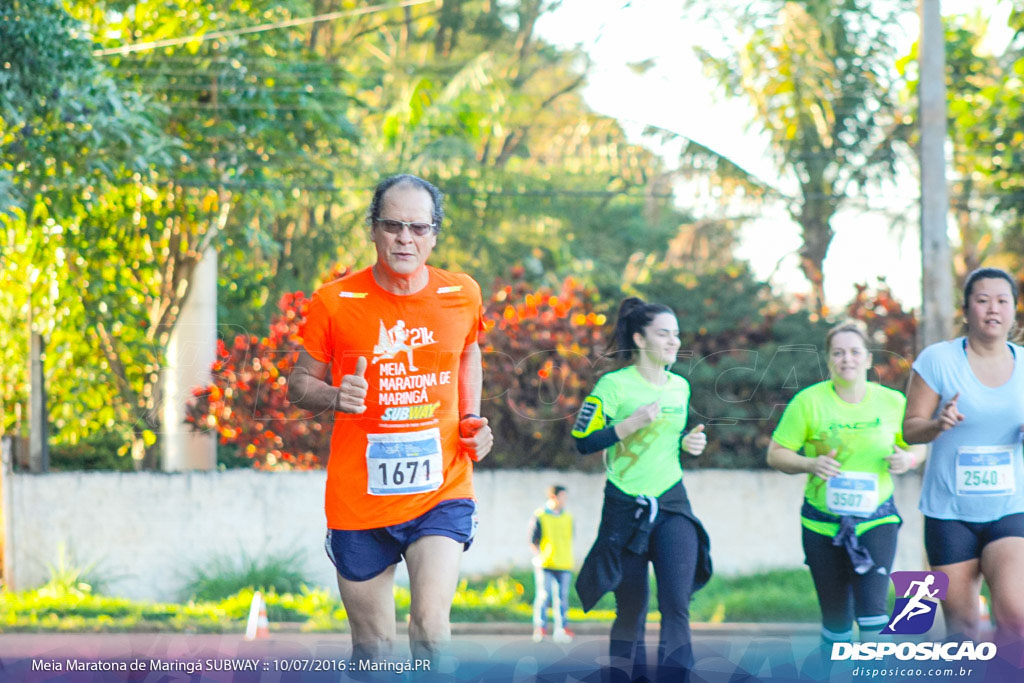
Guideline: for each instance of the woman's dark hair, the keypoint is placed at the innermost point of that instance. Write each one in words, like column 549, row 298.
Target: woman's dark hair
column 985, row 274
column 407, row 179
column 634, row 315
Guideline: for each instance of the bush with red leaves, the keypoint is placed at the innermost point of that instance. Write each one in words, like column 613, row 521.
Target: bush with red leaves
column 247, row 401
column 541, row 358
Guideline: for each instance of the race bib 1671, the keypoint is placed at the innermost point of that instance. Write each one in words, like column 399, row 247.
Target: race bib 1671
column 405, row 463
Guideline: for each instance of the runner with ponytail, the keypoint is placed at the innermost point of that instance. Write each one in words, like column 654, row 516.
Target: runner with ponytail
column 638, row 415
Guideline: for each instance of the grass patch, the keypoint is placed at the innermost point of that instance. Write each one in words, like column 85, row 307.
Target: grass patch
column 785, row 595
column 779, row 595
column 72, row 606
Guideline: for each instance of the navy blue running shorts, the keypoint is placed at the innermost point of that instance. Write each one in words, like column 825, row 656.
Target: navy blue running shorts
column 362, row 554
column 949, row 541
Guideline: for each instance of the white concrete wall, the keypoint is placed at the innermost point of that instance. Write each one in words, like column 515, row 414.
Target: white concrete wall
column 145, row 531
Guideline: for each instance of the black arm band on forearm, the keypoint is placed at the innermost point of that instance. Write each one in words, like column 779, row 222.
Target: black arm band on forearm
column 597, row 441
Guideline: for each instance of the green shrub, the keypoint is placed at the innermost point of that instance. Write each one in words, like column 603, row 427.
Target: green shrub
column 224, row 577
column 98, row 451
column 67, row 578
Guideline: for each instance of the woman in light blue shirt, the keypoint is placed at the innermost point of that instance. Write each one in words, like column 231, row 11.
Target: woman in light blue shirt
column 966, row 397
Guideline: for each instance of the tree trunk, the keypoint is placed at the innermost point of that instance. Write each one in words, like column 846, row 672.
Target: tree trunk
column 969, row 257
column 817, row 236
column 448, row 25
column 937, row 303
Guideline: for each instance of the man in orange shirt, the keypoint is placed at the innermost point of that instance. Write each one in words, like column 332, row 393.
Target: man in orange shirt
column 399, row 340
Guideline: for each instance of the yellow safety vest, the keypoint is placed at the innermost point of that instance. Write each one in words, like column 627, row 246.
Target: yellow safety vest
column 555, row 539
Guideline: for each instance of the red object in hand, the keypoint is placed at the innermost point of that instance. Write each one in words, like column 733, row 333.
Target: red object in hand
column 470, row 425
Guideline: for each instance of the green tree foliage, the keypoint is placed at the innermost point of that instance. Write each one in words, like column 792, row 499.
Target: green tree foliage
column 70, row 139
column 299, row 123
column 977, row 82
column 265, row 120
column 138, row 250
column 985, row 117
column 973, row 79
column 820, row 77
column 277, row 137
column 265, row 145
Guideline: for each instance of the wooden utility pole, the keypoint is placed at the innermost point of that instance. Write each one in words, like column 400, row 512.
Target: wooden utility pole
column 936, row 322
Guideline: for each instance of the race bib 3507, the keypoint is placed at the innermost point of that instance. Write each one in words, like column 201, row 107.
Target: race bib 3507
column 852, row 493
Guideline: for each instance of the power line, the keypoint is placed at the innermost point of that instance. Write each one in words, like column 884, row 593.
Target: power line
column 241, row 89
column 206, row 106
column 202, row 37
column 239, row 61
column 263, row 185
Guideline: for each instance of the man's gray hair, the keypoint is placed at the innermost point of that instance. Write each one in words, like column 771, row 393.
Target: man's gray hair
column 407, row 179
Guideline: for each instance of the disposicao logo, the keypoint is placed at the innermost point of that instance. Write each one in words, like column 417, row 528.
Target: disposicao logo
column 914, row 613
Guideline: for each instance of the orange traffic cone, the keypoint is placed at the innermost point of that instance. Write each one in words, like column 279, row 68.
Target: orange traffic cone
column 986, row 615
column 258, row 626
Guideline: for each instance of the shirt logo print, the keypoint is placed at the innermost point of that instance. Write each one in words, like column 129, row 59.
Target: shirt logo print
column 400, row 339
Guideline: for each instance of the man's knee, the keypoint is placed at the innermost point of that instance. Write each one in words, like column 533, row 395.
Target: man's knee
column 1011, row 623
column 429, row 631
column 372, row 629
column 430, row 620
column 370, row 643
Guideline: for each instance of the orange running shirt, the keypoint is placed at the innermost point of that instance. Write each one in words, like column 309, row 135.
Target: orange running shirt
column 400, row 457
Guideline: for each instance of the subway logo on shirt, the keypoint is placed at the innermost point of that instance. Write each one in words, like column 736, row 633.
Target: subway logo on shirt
column 422, row 412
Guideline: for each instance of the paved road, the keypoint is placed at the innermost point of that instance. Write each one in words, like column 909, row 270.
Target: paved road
column 773, row 653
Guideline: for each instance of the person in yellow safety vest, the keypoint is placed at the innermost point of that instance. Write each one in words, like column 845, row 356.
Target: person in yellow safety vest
column 551, row 543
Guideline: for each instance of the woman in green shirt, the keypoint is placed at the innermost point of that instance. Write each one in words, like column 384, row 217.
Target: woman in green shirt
column 844, row 434
column 638, row 414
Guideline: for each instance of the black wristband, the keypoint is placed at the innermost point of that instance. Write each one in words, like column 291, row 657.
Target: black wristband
column 467, row 415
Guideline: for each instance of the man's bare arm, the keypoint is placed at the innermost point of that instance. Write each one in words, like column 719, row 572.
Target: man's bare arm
column 471, row 378
column 475, row 436
column 308, row 387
